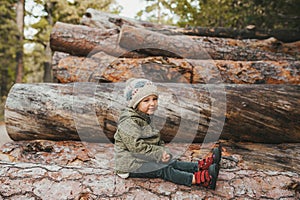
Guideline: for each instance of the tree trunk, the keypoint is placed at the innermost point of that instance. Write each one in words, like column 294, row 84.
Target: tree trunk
column 283, row 35
column 81, row 170
column 19, row 55
column 98, row 19
column 265, row 156
column 47, row 64
column 104, row 68
column 156, row 44
column 82, row 40
column 187, row 113
column 85, row 41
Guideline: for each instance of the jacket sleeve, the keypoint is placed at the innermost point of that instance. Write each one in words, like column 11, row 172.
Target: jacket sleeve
column 136, row 142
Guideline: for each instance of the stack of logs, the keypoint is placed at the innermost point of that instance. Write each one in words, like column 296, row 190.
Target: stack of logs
column 246, row 89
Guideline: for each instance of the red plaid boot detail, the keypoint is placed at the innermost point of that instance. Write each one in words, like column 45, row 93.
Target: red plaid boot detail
column 207, row 178
column 213, row 159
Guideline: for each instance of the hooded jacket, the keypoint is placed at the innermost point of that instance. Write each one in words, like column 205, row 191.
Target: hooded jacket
column 136, row 141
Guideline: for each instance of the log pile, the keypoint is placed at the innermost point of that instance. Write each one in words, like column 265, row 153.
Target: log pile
column 250, row 86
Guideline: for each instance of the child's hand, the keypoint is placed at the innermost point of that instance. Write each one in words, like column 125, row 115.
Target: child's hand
column 165, row 157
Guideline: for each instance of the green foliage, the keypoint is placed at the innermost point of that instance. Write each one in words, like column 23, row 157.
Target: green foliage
column 53, row 10
column 8, row 45
column 72, row 11
column 265, row 14
column 34, row 58
column 156, row 11
column 8, row 48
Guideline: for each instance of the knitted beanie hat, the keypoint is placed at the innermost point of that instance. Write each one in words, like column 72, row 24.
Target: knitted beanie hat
column 137, row 89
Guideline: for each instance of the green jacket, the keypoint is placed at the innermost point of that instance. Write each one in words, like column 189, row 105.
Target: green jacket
column 136, row 141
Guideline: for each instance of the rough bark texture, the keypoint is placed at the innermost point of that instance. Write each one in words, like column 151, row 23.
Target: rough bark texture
column 41, row 169
column 20, row 9
column 82, row 40
column 156, row 44
column 87, row 111
column 98, row 19
column 78, row 170
column 104, row 68
column 249, row 32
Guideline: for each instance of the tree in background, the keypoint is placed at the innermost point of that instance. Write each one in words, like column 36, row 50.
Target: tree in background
column 264, row 14
column 36, row 57
column 156, row 11
column 68, row 11
column 20, row 7
column 9, row 45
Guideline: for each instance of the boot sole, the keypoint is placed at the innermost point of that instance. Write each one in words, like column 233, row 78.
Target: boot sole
column 213, row 171
column 217, row 152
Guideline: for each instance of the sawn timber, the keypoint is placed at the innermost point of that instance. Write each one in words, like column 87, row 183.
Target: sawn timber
column 187, row 112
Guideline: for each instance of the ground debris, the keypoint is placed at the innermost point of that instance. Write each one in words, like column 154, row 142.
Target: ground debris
column 37, row 146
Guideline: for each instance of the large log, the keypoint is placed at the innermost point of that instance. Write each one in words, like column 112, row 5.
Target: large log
column 103, row 20
column 80, row 170
column 82, row 40
column 156, row 44
column 265, row 156
column 284, row 35
column 87, row 111
column 99, row 19
column 104, row 68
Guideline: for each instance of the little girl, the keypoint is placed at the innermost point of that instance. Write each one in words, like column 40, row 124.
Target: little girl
column 139, row 151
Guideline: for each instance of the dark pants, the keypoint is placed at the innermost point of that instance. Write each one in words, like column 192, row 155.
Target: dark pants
column 175, row 171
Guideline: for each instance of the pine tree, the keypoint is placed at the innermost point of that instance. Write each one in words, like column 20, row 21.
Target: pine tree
column 8, row 47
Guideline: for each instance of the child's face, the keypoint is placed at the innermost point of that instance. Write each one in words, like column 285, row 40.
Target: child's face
column 148, row 105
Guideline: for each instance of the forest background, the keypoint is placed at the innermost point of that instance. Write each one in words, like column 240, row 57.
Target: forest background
column 25, row 27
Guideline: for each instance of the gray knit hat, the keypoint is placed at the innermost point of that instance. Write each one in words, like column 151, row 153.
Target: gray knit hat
column 137, row 89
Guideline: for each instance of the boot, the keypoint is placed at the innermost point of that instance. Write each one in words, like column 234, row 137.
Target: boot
column 215, row 158
column 208, row 178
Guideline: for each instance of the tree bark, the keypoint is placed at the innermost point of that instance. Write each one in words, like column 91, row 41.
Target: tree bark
column 265, row 156
column 104, row 68
column 19, row 55
column 48, row 77
column 283, row 35
column 85, row 41
column 187, row 113
column 156, row 44
column 82, row 40
column 98, row 19
column 81, row 170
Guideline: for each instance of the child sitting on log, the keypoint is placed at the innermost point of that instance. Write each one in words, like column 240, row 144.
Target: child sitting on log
column 139, row 150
